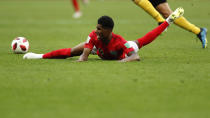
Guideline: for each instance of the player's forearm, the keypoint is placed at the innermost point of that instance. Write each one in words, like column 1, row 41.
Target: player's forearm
column 84, row 56
column 133, row 57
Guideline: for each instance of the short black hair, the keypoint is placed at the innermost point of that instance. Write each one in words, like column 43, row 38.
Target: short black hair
column 106, row 22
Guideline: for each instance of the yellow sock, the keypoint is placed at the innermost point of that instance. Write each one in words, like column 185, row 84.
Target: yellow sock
column 147, row 6
column 182, row 22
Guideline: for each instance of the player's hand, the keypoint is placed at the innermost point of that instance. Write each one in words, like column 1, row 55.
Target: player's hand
column 122, row 60
column 80, row 60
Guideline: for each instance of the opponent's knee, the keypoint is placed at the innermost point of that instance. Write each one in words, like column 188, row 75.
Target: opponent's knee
column 166, row 14
column 136, row 1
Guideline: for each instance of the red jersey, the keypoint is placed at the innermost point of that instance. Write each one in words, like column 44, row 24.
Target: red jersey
column 116, row 49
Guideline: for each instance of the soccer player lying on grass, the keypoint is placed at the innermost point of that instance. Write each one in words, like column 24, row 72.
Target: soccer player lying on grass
column 109, row 46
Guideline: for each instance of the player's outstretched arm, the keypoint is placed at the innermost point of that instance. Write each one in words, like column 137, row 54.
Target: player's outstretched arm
column 132, row 56
column 85, row 54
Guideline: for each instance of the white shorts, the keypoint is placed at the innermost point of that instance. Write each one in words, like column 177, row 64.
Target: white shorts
column 134, row 45
column 131, row 43
column 94, row 51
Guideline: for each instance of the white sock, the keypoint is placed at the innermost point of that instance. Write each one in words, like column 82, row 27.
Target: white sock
column 169, row 21
column 39, row 56
column 31, row 55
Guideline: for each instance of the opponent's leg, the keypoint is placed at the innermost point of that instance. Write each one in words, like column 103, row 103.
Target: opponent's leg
column 165, row 10
column 147, row 6
column 150, row 36
column 202, row 37
column 200, row 32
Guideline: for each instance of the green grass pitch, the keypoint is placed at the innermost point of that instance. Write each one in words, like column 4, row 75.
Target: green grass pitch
column 172, row 80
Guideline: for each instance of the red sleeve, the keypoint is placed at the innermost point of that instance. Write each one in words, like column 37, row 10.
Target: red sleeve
column 125, row 46
column 90, row 40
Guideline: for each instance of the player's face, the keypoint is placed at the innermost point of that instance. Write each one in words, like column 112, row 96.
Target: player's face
column 102, row 33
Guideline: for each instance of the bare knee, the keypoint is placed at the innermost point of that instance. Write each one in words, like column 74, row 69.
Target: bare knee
column 166, row 14
column 164, row 9
column 136, row 1
column 77, row 50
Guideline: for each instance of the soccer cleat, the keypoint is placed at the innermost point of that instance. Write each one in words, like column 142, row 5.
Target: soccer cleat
column 31, row 55
column 77, row 15
column 202, row 37
column 176, row 14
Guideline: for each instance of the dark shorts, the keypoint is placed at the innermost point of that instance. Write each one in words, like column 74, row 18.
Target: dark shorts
column 155, row 3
